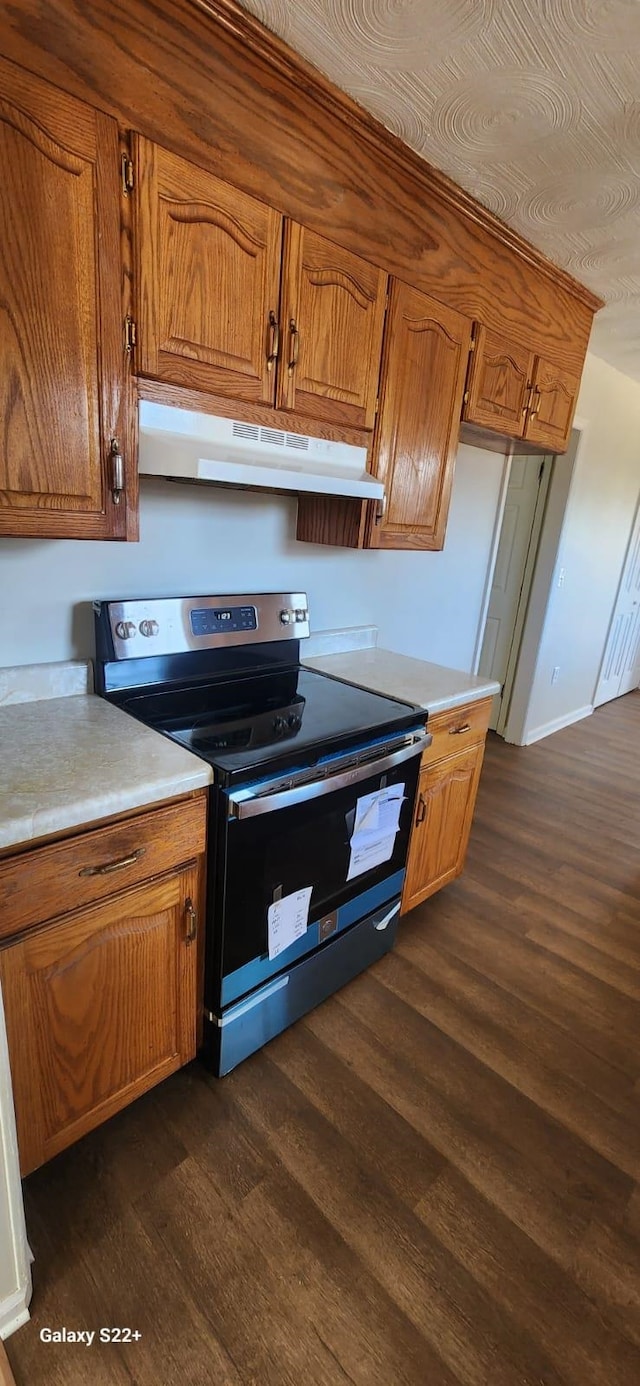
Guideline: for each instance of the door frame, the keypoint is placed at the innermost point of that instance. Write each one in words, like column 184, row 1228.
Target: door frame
column 547, row 463
column 514, row 726
column 493, row 558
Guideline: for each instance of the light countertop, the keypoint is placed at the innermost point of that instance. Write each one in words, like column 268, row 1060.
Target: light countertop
column 68, row 762
column 431, row 686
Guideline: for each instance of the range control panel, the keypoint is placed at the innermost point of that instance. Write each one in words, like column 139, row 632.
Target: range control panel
column 218, row 620
column 174, row 625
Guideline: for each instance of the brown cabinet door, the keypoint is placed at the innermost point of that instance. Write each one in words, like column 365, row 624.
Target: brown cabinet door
column 333, row 306
column 99, row 1007
column 553, row 403
column 208, row 278
column 64, row 388
column 423, row 374
column 442, row 823
column 500, row 378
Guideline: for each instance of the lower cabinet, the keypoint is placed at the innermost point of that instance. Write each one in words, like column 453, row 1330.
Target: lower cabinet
column 100, row 1004
column 445, row 801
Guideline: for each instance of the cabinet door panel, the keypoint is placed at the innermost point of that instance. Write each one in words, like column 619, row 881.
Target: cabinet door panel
column 442, row 823
column 63, row 377
column 499, row 379
column 99, row 1007
column 208, row 265
column 333, row 313
column 553, row 405
column 423, row 375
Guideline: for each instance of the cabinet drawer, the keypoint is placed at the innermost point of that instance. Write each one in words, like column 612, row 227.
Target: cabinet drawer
column 456, row 728
column 48, row 881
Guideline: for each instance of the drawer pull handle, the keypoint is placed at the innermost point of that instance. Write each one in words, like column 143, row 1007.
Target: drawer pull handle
column 457, row 731
column 110, row 866
column 422, row 810
column 191, row 920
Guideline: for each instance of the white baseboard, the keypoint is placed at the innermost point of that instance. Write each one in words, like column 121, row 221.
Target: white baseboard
column 537, row 733
column 14, row 1310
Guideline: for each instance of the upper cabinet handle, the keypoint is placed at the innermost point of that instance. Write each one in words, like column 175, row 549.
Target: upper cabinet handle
column 117, row 471
column 527, row 402
column 274, row 340
column 536, row 397
column 294, row 345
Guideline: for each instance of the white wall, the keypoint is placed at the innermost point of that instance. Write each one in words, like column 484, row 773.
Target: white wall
column 595, row 533
column 198, row 540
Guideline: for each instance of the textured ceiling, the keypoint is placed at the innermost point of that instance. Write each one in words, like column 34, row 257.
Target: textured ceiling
column 531, row 105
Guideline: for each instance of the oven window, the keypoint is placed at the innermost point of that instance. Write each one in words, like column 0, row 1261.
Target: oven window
column 307, row 844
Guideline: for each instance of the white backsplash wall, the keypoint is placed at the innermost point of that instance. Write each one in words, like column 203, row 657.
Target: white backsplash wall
column 204, row 539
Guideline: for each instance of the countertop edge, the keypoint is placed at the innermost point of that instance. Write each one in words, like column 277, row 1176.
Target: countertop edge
column 85, row 816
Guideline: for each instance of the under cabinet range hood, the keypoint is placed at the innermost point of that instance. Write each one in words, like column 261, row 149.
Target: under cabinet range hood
column 183, row 445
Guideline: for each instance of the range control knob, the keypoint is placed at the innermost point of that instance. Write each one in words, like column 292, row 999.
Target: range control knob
column 301, row 614
column 279, row 726
column 294, row 722
column 285, row 617
column 125, row 629
column 149, row 628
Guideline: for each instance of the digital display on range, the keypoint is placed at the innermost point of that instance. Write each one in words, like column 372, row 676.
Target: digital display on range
column 222, row 620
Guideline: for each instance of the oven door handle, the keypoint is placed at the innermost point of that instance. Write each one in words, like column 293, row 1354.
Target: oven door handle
column 247, row 805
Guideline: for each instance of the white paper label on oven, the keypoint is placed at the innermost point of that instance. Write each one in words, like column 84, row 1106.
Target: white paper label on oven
column 374, row 831
column 287, row 920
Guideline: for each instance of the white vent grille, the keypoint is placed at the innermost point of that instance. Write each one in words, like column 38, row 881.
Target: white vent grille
column 297, row 440
column 246, row 430
column 272, row 435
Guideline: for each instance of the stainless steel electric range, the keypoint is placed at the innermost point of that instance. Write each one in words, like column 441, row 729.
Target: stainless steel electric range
column 310, row 809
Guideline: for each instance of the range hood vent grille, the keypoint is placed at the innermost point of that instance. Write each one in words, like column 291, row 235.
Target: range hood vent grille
column 189, row 446
column 257, row 434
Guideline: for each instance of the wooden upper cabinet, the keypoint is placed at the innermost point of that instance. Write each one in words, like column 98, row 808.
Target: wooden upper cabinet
column 500, row 378
column 64, row 387
column 333, row 306
column 207, row 260
column 553, row 403
column 423, row 375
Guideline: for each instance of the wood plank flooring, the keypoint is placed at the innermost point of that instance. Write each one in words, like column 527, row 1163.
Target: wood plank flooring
column 433, row 1180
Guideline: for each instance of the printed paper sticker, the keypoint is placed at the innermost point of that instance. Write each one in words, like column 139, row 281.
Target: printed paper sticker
column 287, row 920
column 376, row 824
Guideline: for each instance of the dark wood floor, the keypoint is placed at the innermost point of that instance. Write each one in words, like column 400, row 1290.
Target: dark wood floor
column 433, row 1179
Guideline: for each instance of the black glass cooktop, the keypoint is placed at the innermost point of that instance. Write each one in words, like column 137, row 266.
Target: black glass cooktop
column 274, row 720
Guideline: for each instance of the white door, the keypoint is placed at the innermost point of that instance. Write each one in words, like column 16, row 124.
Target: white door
column 620, row 670
column 512, row 573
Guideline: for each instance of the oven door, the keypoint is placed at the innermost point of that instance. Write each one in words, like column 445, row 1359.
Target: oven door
column 328, row 838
